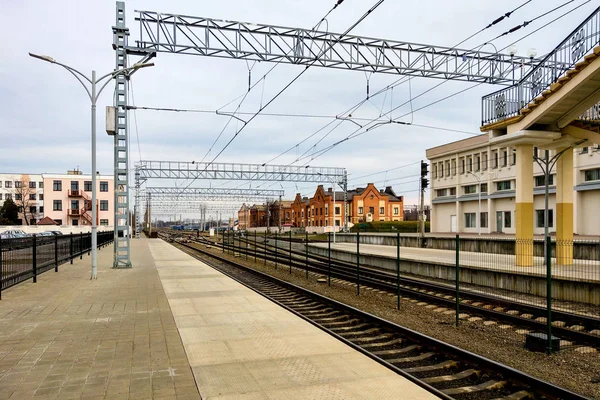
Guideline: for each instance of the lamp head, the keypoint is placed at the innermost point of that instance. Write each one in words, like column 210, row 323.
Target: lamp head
column 512, row 50
column 43, row 58
column 532, row 52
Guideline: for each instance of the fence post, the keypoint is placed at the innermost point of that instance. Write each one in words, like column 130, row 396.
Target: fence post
column 265, row 244
column 358, row 263
column 306, row 251
column 457, row 278
column 549, row 292
column 0, row 268
column 55, row 253
column 34, row 258
column 255, row 246
column 275, row 249
column 71, row 247
column 329, row 258
column 247, row 240
column 81, row 245
column 398, row 268
column 290, row 250
column 89, row 239
column 222, row 239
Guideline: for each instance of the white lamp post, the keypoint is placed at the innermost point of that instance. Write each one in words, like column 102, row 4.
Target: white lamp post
column 93, row 95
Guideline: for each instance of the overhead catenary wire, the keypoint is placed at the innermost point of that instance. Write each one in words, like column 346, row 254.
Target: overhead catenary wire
column 357, row 132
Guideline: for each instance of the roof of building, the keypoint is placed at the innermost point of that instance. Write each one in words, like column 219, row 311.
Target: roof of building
column 47, row 221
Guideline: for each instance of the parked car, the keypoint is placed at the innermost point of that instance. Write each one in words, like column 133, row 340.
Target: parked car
column 16, row 233
column 57, row 233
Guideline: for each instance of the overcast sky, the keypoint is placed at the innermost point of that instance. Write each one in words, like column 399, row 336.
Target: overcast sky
column 44, row 113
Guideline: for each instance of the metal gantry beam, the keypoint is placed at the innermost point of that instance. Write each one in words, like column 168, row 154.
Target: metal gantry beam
column 183, row 34
column 237, row 171
column 212, row 193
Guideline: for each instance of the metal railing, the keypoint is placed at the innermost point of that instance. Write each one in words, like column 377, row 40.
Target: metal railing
column 508, row 102
column 25, row 258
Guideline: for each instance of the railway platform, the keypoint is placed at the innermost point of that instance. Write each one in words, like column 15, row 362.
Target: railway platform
column 171, row 328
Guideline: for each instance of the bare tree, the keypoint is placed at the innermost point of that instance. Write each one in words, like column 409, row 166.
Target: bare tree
column 25, row 197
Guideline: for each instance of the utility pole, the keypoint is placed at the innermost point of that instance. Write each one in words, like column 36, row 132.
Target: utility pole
column 424, row 184
column 280, row 211
column 268, row 216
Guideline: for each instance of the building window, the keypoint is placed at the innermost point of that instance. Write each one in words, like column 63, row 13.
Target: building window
column 41, row 209
column 507, row 219
column 31, row 185
column 18, row 197
column 74, row 204
column 104, row 222
column 396, row 211
column 360, row 210
column 453, row 167
column 18, row 184
column 462, row 166
column 87, row 186
column 495, row 160
column 0, row 196
column 452, row 191
column 103, row 186
column 75, row 222
column 540, row 180
column 338, row 210
column 592, row 174
column 441, row 192
column 435, row 168
column 503, row 185
column 32, row 209
column 41, row 185
column 470, row 189
column 8, row 184
column 74, row 185
column 326, row 210
column 483, row 188
column 32, row 196
column 504, row 158
column 441, row 170
column 470, row 220
column 57, row 205
column 485, row 161
column 19, row 210
column 8, row 196
column 381, row 210
column 57, row 186
column 32, row 221
column 483, row 219
column 514, row 157
column 41, row 196
column 372, row 210
column 539, row 217
column 470, row 164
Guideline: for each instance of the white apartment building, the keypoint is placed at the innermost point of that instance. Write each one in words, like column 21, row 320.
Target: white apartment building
column 27, row 191
column 462, row 172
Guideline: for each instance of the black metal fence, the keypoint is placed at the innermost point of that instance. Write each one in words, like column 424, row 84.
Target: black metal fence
column 26, row 258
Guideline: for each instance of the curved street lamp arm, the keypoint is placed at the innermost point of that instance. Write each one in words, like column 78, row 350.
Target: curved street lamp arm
column 75, row 74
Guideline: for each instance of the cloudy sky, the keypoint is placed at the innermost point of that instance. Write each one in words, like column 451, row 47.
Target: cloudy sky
column 45, row 113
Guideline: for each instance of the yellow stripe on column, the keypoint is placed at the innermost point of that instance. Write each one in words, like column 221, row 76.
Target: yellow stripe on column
column 524, row 235
column 564, row 233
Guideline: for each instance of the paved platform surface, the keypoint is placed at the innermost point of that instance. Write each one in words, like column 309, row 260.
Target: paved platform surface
column 586, row 270
column 242, row 346
column 67, row 337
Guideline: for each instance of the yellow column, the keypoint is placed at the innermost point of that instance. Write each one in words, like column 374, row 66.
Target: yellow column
column 564, row 208
column 524, row 206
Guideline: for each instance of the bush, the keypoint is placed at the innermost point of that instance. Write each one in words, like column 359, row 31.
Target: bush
column 389, row 226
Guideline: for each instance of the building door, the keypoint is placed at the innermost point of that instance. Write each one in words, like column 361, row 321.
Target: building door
column 75, row 222
column 499, row 221
column 453, row 224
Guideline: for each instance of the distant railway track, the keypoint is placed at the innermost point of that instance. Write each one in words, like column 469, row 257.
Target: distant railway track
column 445, row 370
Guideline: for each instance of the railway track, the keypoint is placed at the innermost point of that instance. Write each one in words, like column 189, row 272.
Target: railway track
column 576, row 328
column 443, row 369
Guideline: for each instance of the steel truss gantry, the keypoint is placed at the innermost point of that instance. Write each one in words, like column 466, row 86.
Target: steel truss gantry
column 237, row 171
column 208, row 194
column 184, row 34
